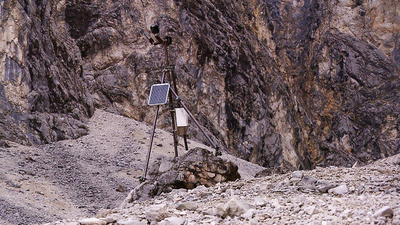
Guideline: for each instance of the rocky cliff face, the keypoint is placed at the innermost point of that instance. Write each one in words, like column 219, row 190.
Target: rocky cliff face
column 43, row 97
column 296, row 84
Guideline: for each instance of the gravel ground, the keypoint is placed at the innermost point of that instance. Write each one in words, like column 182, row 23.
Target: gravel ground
column 72, row 181
column 76, row 178
column 334, row 195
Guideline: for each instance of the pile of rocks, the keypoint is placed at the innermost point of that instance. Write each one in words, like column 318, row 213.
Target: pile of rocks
column 334, row 195
column 197, row 167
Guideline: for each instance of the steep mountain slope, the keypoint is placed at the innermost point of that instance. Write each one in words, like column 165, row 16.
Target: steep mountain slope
column 280, row 83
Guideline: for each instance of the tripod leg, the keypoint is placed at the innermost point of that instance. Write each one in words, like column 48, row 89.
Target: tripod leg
column 143, row 178
column 172, row 110
column 185, row 140
column 174, row 131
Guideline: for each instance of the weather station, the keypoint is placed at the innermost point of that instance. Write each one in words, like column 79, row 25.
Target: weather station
column 166, row 92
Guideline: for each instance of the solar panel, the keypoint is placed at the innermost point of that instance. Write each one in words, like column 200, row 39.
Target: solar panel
column 158, row 94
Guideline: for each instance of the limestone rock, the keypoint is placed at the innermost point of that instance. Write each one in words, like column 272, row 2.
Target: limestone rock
column 323, row 186
column 187, row 206
column 130, row 222
column 340, row 190
column 385, row 211
column 156, row 212
column 102, row 213
column 173, row 221
column 233, row 208
column 309, row 179
column 309, row 210
column 297, row 174
column 396, row 222
column 248, row 214
column 92, row 221
column 259, row 201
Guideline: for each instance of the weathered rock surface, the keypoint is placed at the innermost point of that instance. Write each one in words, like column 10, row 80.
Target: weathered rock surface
column 373, row 198
column 43, row 96
column 293, row 83
column 197, row 167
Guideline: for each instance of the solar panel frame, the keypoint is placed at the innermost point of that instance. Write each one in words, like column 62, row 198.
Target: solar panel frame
column 158, row 94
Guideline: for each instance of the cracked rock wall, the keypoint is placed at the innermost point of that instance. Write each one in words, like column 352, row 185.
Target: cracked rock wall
column 280, row 83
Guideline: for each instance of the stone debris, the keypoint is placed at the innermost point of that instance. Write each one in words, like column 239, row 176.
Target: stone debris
column 131, row 222
column 92, row 221
column 340, row 190
column 173, row 221
column 197, row 167
column 309, row 210
column 156, row 212
column 233, row 208
column 297, row 174
column 191, row 206
column 360, row 195
column 385, row 211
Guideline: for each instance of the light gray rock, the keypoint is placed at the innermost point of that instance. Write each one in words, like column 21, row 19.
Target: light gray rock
column 396, row 222
column 109, row 220
column 345, row 213
column 275, row 203
column 102, row 213
column 259, row 201
column 309, row 209
column 92, row 221
column 165, row 166
column 129, row 222
column 156, row 212
column 249, row 214
column 188, row 206
column 297, row 174
column 380, row 220
column 385, row 211
column 294, row 181
column 173, row 221
column 340, row 190
column 309, row 179
column 233, row 208
column 332, row 209
column 323, row 186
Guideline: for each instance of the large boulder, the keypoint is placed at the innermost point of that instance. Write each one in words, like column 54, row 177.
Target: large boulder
column 197, row 167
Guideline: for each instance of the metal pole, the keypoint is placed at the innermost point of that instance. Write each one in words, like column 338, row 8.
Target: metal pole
column 151, row 142
column 217, row 151
column 172, row 111
column 171, row 102
column 152, row 135
column 185, row 141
